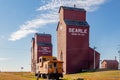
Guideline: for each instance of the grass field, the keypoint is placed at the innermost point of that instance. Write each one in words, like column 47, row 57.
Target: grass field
column 103, row 75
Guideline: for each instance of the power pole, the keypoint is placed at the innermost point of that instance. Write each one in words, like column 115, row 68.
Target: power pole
column 119, row 56
column 119, row 59
column 94, row 58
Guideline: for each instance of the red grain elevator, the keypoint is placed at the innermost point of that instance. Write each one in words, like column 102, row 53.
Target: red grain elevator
column 41, row 46
column 73, row 41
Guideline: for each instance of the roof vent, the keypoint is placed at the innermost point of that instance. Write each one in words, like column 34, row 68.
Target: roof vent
column 115, row 58
column 74, row 6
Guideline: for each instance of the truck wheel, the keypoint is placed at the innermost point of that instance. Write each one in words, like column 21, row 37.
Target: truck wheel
column 43, row 75
column 36, row 74
column 39, row 75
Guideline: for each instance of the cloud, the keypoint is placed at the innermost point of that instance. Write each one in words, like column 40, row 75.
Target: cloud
column 4, row 59
column 89, row 5
column 28, row 28
column 49, row 14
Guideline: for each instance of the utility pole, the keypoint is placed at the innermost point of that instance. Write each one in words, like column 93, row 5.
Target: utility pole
column 94, row 57
column 119, row 59
column 119, row 56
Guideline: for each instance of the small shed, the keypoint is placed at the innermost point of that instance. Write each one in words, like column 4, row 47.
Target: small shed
column 109, row 64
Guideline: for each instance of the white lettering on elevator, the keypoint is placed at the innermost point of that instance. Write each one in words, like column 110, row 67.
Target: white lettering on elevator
column 77, row 31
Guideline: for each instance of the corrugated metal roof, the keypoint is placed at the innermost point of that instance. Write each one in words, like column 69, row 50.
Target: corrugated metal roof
column 110, row 61
column 71, row 8
column 76, row 23
column 44, row 44
column 42, row 34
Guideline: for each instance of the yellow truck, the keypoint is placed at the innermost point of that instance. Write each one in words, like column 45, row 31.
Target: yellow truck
column 49, row 67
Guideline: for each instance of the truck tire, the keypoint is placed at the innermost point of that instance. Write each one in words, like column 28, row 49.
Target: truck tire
column 43, row 76
column 36, row 74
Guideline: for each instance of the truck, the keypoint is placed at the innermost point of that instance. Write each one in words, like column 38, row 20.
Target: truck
column 49, row 67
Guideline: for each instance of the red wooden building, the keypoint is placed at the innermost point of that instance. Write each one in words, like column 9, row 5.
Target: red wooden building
column 73, row 41
column 109, row 64
column 41, row 46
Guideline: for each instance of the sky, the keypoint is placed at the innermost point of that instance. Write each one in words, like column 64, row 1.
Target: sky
column 20, row 19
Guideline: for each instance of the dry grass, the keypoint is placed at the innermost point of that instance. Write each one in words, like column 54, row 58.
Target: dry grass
column 16, row 76
column 103, row 75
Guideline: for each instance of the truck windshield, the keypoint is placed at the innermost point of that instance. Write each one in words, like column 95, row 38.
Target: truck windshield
column 44, row 59
column 55, row 64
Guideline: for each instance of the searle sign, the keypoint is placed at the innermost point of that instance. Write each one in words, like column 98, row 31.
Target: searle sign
column 77, row 31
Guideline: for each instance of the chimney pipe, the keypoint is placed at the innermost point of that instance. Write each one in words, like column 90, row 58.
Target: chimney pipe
column 115, row 58
column 74, row 6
